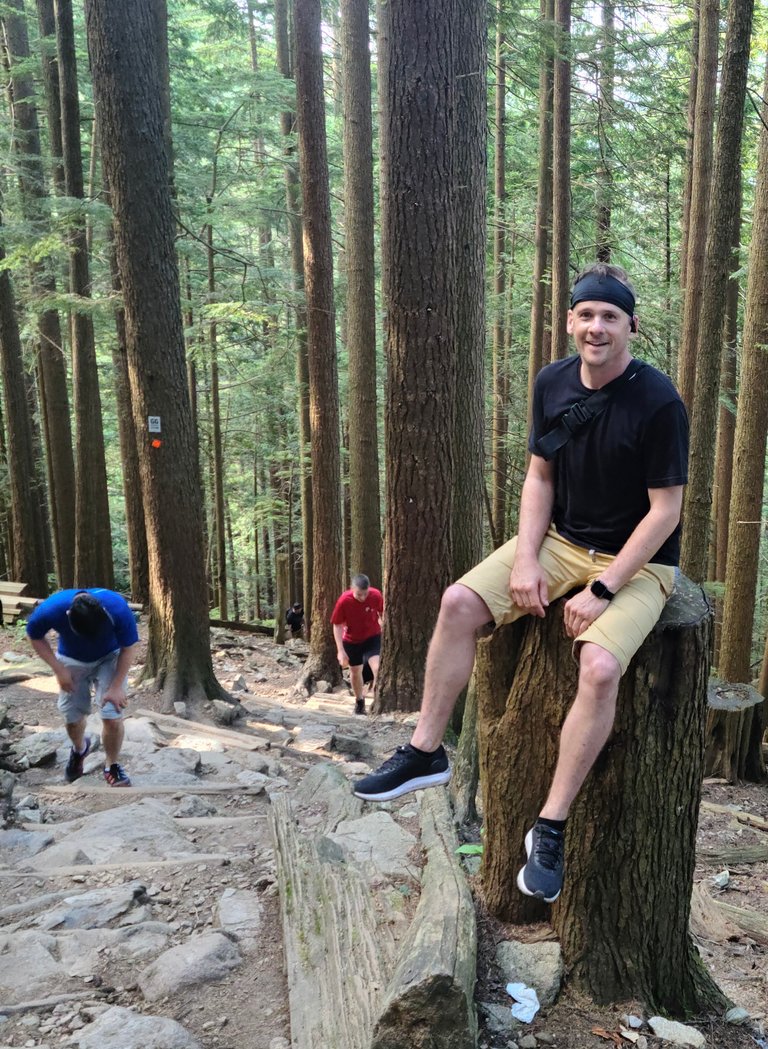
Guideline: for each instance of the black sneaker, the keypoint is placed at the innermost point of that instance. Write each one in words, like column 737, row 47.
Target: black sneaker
column 542, row 876
column 116, row 776
column 407, row 769
column 359, row 706
column 74, row 769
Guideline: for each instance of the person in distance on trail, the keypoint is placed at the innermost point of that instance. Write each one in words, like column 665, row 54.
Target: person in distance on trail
column 356, row 623
column 97, row 643
column 294, row 617
column 600, row 510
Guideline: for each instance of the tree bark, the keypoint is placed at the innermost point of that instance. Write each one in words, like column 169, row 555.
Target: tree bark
column 561, row 179
column 693, row 80
column 470, row 148
column 51, row 364
column 287, row 125
column 127, row 87
column 321, row 344
column 365, row 546
column 28, row 564
column 607, row 70
column 93, row 532
column 706, row 84
column 543, row 201
column 499, row 410
column 632, row 828
column 420, row 278
column 748, row 464
column 709, row 344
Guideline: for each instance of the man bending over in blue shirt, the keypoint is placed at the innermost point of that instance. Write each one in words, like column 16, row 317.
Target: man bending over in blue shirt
column 97, row 643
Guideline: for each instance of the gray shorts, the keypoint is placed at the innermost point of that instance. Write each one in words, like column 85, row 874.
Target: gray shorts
column 90, row 679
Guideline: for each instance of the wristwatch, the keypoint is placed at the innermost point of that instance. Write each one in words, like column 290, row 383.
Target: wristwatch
column 599, row 589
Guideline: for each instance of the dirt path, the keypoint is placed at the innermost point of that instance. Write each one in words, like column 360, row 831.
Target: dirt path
column 100, row 887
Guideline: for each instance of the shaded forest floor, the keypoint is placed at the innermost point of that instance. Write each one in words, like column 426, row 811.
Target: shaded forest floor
column 249, row 1008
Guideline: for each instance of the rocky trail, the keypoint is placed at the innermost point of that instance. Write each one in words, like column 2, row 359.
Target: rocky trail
column 166, row 916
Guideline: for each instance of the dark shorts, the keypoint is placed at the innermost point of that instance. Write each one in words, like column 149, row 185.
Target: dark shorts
column 357, row 653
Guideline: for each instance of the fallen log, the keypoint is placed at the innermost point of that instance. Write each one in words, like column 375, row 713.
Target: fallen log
column 429, row 1003
column 181, row 726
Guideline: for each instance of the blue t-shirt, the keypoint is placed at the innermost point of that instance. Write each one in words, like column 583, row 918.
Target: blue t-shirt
column 52, row 615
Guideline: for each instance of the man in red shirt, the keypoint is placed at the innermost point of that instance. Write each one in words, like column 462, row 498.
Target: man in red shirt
column 356, row 623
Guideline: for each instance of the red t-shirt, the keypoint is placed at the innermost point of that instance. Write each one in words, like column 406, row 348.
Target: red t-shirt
column 360, row 618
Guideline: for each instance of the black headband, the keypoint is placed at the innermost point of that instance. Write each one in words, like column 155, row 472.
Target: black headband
column 603, row 288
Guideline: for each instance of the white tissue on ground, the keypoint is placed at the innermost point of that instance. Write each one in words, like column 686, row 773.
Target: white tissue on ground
column 527, row 1002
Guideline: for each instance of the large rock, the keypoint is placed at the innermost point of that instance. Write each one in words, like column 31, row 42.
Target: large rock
column 537, row 965
column 377, row 840
column 144, row 831
column 29, row 966
column 119, row 1028
column 16, row 845
column 240, row 913
column 676, row 1033
column 81, row 951
column 38, row 749
column 91, row 910
column 200, row 960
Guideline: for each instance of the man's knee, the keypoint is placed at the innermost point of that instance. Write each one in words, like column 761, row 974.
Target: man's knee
column 460, row 605
column 598, row 668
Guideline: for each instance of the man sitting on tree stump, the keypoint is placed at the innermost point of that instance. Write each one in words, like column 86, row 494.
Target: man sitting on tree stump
column 599, row 511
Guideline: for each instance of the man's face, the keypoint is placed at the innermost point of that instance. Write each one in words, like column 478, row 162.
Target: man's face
column 360, row 595
column 601, row 332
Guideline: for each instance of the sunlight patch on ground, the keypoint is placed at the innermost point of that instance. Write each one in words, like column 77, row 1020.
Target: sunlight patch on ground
column 41, row 684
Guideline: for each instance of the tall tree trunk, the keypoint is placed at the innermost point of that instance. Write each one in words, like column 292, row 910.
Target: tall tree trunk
column 749, row 465
column 499, row 409
column 706, row 83
column 51, row 362
column 561, row 179
column 127, row 88
column 93, row 533
column 365, row 548
column 47, row 23
column 420, row 278
column 543, row 200
column 323, row 378
column 135, row 525
column 693, row 81
column 28, row 564
column 607, row 66
column 709, row 344
column 287, row 125
column 218, row 445
column 470, row 147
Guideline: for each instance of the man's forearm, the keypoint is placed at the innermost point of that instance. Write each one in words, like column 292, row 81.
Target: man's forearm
column 338, row 634
column 124, row 663
column 536, row 502
column 649, row 535
column 44, row 650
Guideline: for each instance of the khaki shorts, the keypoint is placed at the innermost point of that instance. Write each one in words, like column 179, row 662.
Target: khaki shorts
column 622, row 627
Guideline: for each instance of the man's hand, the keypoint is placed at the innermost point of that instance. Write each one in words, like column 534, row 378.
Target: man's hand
column 582, row 610
column 64, row 677
column 343, row 659
column 116, row 695
column 528, row 587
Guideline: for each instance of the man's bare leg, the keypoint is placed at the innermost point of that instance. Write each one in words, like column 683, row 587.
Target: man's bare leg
column 450, row 660
column 586, row 728
column 112, row 732
column 76, row 733
column 356, row 680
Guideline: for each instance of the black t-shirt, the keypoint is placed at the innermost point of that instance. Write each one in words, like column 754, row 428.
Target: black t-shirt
column 602, row 475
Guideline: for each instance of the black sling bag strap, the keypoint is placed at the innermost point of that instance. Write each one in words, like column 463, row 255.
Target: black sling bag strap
column 582, row 413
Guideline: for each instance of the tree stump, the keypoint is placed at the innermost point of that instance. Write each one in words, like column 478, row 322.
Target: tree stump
column 622, row 918
column 734, row 731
